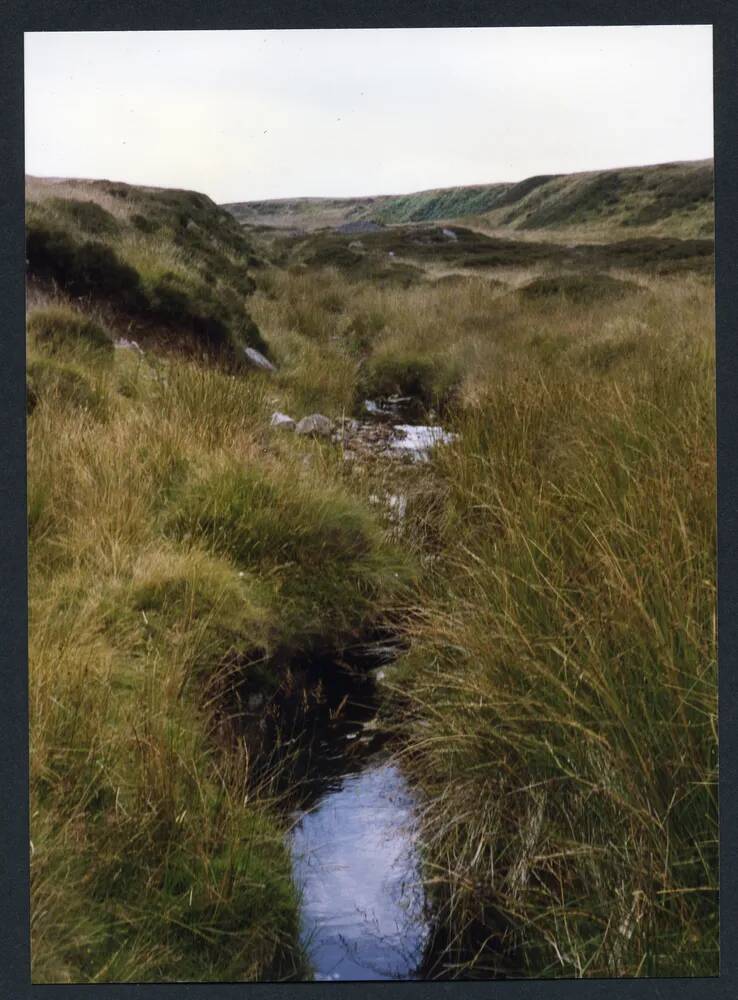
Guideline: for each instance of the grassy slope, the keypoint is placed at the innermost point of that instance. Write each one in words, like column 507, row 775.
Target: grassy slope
column 160, row 264
column 673, row 199
column 182, row 560
column 573, row 521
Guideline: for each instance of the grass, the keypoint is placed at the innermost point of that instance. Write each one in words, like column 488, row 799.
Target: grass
column 671, row 199
column 170, row 264
column 68, row 332
column 560, row 692
column 553, row 579
column 157, row 853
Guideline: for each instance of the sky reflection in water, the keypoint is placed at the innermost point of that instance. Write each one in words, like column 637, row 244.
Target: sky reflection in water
column 355, row 860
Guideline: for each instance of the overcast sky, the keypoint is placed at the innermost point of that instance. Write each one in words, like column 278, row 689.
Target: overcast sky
column 244, row 115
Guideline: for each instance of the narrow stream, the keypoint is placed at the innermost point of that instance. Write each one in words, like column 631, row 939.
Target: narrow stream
column 354, row 852
column 354, row 844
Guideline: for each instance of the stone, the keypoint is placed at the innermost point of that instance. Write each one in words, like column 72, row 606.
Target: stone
column 316, row 425
column 122, row 344
column 282, row 421
column 258, row 360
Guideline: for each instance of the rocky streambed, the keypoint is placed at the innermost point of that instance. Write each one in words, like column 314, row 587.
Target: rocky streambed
column 355, row 835
column 385, row 432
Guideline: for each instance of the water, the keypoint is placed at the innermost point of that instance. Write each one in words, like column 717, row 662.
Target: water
column 355, row 857
column 418, row 439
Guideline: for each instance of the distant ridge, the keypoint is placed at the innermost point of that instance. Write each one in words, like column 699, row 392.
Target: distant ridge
column 669, row 197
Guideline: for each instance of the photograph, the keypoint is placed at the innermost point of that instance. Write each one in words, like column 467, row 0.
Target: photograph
column 371, row 494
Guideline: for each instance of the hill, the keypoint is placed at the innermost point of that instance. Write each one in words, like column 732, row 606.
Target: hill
column 162, row 264
column 671, row 198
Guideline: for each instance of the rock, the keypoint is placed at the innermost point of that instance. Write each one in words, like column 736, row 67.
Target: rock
column 122, row 344
column 316, row 425
column 258, row 360
column 282, row 421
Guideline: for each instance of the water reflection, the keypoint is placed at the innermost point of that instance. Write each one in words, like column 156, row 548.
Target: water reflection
column 355, row 860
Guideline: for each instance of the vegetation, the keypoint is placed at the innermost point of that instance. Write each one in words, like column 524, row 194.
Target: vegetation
column 169, row 265
column 674, row 199
column 552, row 581
column 560, row 691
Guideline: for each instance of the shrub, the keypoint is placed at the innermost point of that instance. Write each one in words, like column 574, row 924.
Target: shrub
column 87, row 215
column 194, row 306
column 90, row 268
column 98, row 271
column 145, row 224
column 59, row 329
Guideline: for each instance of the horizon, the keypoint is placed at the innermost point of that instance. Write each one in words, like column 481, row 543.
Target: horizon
column 355, row 197
column 257, row 116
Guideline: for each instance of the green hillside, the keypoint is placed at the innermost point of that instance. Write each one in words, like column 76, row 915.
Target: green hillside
column 163, row 264
column 671, row 198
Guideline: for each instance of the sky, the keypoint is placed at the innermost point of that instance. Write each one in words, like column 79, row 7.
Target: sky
column 247, row 115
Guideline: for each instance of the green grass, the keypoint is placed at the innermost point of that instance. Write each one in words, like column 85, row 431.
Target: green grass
column 68, row 332
column 171, row 264
column 553, row 578
column 672, row 199
column 560, row 692
column 160, row 586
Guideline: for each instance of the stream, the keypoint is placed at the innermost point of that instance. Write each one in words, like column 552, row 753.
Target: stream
column 354, row 851
column 354, row 842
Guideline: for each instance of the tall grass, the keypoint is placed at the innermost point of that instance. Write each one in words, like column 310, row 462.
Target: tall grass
column 557, row 702
column 560, row 694
column 157, row 852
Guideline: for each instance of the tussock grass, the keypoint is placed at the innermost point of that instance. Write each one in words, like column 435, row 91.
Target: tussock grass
column 65, row 331
column 157, row 853
column 557, row 700
column 561, row 687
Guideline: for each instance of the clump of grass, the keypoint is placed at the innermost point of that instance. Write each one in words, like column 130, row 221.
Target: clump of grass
column 431, row 380
column 88, row 216
column 579, row 288
column 65, row 331
column 148, row 862
column 55, row 383
column 321, row 550
column 152, row 867
column 564, row 662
